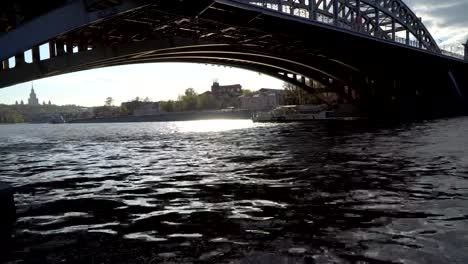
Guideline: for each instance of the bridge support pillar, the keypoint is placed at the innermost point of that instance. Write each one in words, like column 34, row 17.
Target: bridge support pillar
column 69, row 48
column 19, row 60
column 335, row 13
column 36, row 56
column 52, row 51
column 82, row 47
column 60, row 47
column 303, row 80
column 312, row 10
column 5, row 65
column 8, row 212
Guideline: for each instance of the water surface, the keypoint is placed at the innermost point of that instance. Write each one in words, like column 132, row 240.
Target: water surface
column 238, row 192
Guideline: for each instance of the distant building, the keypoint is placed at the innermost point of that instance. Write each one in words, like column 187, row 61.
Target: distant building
column 226, row 90
column 207, row 93
column 138, row 108
column 263, row 99
column 33, row 100
column 226, row 95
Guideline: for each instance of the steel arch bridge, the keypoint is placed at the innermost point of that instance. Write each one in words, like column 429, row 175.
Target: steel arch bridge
column 366, row 51
column 383, row 19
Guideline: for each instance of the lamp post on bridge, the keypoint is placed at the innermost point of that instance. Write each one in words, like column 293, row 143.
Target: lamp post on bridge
column 466, row 50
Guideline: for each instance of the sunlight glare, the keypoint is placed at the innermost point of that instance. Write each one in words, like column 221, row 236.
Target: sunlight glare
column 217, row 125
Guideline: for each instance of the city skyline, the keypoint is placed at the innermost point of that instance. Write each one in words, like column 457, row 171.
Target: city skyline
column 159, row 82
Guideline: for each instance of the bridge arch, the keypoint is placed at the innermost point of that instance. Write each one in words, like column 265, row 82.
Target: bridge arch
column 348, row 45
column 327, row 72
column 379, row 18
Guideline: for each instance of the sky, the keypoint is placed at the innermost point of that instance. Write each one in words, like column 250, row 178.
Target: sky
column 447, row 21
column 158, row 81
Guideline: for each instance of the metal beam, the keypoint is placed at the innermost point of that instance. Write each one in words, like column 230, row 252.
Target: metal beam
column 36, row 54
column 143, row 52
column 55, row 23
column 5, row 65
column 377, row 12
column 52, row 49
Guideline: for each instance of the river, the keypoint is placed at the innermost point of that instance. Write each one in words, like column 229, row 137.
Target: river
column 231, row 191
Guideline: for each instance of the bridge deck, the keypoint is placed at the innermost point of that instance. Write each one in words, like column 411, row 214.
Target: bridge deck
column 359, row 67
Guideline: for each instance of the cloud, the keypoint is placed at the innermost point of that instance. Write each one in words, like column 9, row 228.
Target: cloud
column 446, row 20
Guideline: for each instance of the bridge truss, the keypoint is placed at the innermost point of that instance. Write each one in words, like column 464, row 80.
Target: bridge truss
column 390, row 20
column 310, row 43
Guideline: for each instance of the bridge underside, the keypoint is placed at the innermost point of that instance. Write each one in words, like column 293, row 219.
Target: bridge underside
column 377, row 76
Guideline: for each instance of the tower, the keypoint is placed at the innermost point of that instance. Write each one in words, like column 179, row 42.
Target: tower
column 33, row 100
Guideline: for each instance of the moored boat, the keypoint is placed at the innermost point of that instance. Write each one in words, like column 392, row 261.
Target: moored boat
column 57, row 119
column 291, row 113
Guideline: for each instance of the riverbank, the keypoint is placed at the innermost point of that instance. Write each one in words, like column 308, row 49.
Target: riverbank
column 177, row 116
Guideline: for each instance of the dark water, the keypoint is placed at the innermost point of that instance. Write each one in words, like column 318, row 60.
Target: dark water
column 235, row 192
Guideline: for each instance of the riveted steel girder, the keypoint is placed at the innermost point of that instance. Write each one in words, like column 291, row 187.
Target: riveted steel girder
column 59, row 21
column 382, row 19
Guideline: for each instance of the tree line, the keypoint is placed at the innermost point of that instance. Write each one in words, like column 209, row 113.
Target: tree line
column 190, row 100
column 11, row 114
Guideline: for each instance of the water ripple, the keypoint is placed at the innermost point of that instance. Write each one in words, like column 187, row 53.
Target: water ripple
column 238, row 192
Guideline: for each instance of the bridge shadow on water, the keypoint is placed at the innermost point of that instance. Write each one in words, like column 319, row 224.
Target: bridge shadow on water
column 282, row 193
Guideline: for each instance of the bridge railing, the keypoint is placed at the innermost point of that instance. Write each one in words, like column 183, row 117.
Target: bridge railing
column 456, row 51
column 453, row 54
column 302, row 9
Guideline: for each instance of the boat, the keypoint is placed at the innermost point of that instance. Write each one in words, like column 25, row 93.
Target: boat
column 292, row 113
column 287, row 113
column 57, row 119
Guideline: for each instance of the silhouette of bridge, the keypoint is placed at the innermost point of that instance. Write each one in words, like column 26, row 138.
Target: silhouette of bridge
column 376, row 54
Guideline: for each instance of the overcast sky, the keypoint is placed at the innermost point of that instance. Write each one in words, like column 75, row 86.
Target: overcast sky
column 447, row 20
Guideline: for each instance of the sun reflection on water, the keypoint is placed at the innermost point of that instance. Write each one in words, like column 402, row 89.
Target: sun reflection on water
column 217, row 125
